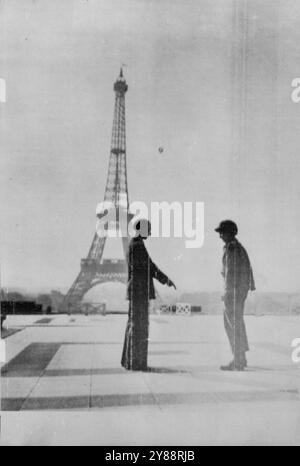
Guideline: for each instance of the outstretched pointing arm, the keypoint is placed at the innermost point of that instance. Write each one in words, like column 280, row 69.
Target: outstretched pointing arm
column 159, row 275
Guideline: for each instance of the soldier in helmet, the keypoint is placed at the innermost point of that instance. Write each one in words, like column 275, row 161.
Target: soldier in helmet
column 238, row 280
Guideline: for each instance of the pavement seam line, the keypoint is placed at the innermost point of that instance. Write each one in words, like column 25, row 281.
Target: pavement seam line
column 91, row 380
column 42, row 373
column 156, row 401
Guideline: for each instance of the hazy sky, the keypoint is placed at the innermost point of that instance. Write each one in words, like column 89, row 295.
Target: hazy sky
column 210, row 81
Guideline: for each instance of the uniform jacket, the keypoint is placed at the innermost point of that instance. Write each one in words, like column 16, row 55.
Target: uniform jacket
column 237, row 270
column 142, row 271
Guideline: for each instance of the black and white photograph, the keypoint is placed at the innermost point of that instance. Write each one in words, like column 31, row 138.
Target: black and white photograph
column 149, row 208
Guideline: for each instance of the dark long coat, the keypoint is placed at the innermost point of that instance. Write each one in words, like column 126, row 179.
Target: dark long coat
column 140, row 289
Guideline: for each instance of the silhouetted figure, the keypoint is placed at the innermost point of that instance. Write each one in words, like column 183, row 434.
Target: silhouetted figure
column 238, row 280
column 141, row 271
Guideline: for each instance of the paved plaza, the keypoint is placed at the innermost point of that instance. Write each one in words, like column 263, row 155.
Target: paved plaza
column 62, row 383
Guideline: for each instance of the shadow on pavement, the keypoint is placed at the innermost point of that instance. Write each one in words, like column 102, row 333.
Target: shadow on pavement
column 144, row 399
column 8, row 332
column 165, row 370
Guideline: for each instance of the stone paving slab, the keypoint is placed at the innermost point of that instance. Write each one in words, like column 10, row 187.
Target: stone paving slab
column 72, row 364
column 205, row 424
column 31, row 362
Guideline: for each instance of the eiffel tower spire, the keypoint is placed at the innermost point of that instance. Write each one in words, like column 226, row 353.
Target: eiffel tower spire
column 94, row 270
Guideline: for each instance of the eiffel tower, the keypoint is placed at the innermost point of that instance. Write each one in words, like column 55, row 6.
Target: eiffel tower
column 94, row 270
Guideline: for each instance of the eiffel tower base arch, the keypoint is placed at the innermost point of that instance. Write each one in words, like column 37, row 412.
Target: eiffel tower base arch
column 91, row 275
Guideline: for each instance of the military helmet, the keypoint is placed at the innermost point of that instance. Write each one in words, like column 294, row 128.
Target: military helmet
column 227, row 226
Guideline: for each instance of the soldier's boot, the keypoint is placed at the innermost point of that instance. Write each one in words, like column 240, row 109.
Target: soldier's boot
column 233, row 366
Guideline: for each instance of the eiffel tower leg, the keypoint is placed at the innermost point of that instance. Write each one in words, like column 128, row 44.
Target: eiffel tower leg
column 74, row 297
column 85, row 277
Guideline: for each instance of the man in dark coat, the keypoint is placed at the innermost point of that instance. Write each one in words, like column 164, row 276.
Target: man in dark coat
column 141, row 272
column 238, row 280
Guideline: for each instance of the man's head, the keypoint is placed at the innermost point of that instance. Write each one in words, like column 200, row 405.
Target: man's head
column 227, row 230
column 143, row 228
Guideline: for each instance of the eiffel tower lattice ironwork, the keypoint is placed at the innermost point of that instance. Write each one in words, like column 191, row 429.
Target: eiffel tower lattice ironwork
column 94, row 270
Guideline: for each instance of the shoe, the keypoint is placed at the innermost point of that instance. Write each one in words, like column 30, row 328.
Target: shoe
column 232, row 366
column 228, row 367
